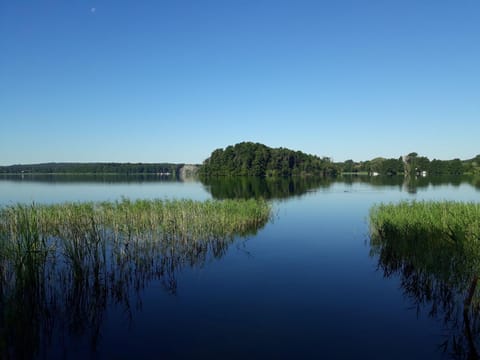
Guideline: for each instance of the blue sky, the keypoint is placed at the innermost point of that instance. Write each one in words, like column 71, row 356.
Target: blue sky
column 155, row 81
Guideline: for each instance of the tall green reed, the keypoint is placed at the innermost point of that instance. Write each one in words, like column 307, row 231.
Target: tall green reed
column 434, row 248
column 69, row 260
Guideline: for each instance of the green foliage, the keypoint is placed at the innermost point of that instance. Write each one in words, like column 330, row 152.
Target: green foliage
column 412, row 165
column 378, row 165
column 415, row 165
column 93, row 168
column 254, row 159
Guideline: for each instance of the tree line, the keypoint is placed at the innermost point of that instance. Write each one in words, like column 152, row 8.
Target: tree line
column 412, row 164
column 94, row 168
column 255, row 159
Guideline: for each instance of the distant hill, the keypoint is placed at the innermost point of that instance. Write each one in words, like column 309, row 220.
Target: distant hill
column 255, row 159
column 94, row 168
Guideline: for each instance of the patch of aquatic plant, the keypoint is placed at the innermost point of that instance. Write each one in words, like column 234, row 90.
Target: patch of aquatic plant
column 182, row 217
column 449, row 220
column 60, row 265
column 434, row 248
column 440, row 238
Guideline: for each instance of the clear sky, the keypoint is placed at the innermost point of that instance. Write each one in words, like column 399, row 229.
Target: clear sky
column 157, row 81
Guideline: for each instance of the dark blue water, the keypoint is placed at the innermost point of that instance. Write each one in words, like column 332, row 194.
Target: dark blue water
column 304, row 287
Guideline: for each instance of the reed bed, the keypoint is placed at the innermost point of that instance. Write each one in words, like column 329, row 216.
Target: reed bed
column 68, row 261
column 434, row 249
column 440, row 237
column 80, row 233
column 456, row 221
column 179, row 218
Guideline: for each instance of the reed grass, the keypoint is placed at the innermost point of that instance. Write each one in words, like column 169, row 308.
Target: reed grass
column 456, row 221
column 434, row 248
column 79, row 232
column 442, row 237
column 185, row 218
column 68, row 261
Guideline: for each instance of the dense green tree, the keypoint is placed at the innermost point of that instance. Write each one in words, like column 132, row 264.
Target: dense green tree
column 375, row 165
column 348, row 166
column 391, row 166
column 422, row 164
column 455, row 167
column 255, row 159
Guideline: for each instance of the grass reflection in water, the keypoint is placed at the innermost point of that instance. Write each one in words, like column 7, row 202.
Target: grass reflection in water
column 435, row 249
column 62, row 265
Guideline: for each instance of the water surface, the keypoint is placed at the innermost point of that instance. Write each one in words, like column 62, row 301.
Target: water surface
column 306, row 285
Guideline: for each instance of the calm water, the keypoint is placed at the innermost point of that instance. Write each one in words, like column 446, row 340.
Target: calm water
column 305, row 286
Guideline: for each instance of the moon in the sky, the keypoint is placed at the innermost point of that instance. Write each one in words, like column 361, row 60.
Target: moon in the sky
column 92, row 10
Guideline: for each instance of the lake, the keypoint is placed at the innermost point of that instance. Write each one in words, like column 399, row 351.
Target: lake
column 306, row 285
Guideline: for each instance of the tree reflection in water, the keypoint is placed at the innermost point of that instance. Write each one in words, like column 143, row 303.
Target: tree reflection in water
column 266, row 188
column 283, row 188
